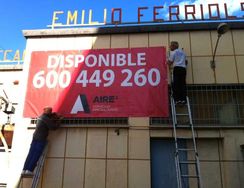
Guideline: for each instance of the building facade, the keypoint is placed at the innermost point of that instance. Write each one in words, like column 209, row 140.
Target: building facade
column 138, row 152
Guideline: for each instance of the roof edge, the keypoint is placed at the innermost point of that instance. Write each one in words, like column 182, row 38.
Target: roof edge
column 124, row 29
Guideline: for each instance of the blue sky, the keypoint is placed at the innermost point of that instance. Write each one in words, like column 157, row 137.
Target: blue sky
column 18, row 15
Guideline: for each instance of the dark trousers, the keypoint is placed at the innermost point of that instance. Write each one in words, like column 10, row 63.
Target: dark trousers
column 34, row 154
column 179, row 84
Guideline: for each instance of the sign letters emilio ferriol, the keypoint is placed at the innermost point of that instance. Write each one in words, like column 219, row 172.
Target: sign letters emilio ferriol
column 99, row 83
column 160, row 13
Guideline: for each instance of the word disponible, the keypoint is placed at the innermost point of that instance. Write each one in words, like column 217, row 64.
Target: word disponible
column 188, row 12
column 8, row 56
column 96, row 60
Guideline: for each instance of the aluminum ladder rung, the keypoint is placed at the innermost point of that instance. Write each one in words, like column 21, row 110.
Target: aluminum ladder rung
column 182, row 114
column 186, row 149
column 188, row 162
column 183, row 125
column 184, row 138
column 190, row 176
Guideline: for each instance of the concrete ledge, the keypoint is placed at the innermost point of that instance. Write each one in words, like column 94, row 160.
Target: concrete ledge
column 129, row 28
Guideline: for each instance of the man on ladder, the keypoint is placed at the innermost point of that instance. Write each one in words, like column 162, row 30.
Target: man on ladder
column 177, row 58
column 38, row 150
column 47, row 121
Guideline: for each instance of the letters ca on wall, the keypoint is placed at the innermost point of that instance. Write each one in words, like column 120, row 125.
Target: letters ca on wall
column 11, row 59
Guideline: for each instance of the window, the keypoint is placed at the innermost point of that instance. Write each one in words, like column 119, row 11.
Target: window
column 163, row 170
column 213, row 105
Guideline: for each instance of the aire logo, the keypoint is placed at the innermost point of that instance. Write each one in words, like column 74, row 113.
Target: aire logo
column 105, row 99
column 80, row 105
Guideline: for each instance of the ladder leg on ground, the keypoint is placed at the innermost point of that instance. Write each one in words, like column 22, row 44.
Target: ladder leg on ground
column 179, row 163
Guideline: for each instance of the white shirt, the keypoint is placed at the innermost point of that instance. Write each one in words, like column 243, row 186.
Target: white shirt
column 178, row 57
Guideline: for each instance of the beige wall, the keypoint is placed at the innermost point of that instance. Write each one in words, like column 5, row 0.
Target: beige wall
column 99, row 158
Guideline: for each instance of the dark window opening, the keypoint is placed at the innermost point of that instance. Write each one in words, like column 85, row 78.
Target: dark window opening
column 92, row 121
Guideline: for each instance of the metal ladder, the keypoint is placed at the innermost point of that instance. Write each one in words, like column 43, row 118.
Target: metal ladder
column 37, row 174
column 39, row 167
column 194, row 164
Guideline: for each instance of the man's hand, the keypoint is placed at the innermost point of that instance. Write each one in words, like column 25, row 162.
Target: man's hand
column 56, row 116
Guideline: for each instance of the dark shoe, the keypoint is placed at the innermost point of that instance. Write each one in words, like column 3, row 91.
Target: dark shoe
column 177, row 102
column 27, row 173
column 23, row 172
column 183, row 102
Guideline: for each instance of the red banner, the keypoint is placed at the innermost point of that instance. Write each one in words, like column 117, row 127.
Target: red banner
column 99, row 83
